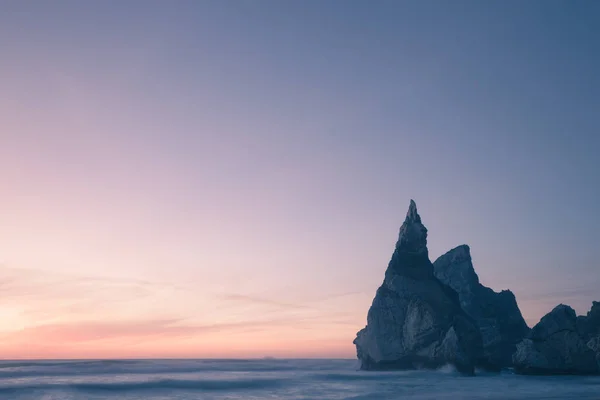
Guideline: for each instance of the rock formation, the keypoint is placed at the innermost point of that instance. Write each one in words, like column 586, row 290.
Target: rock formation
column 415, row 320
column 499, row 319
column 558, row 344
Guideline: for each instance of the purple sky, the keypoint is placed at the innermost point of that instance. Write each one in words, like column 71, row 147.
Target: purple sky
column 227, row 178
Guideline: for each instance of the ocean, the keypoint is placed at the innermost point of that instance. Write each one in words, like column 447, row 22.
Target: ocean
column 268, row 379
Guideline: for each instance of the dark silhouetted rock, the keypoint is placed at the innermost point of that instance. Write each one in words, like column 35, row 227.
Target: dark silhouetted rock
column 416, row 321
column 556, row 346
column 499, row 319
column 589, row 325
column 594, row 344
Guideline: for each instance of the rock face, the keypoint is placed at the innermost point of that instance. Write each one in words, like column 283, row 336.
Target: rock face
column 594, row 344
column 416, row 321
column 499, row 319
column 557, row 345
column 589, row 325
column 589, row 328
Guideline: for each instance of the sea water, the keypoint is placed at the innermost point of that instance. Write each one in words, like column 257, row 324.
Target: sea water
column 268, row 379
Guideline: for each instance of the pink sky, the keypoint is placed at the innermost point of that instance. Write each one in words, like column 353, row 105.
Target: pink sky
column 48, row 315
column 224, row 179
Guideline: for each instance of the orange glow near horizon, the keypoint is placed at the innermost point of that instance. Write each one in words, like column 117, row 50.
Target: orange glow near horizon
column 47, row 316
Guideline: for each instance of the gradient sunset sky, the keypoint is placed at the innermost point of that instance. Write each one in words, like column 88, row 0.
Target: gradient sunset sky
column 227, row 178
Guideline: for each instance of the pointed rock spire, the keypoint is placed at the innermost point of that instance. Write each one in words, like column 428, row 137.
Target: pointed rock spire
column 413, row 234
column 411, row 257
column 414, row 319
column 412, row 214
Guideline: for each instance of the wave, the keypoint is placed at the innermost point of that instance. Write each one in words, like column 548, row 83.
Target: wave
column 385, row 375
column 16, row 369
column 355, row 376
column 28, row 363
column 54, row 363
column 168, row 384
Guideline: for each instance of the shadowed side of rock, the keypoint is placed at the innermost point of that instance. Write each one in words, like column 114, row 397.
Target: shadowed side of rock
column 415, row 321
column 589, row 325
column 497, row 314
column 557, row 345
column 589, row 328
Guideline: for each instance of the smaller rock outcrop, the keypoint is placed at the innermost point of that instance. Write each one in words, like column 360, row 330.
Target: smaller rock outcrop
column 497, row 314
column 556, row 346
column 589, row 325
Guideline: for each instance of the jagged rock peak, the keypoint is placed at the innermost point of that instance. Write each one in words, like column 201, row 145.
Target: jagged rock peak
column 458, row 254
column 595, row 310
column 455, row 268
column 593, row 317
column 561, row 318
column 462, row 252
column 412, row 214
column 413, row 234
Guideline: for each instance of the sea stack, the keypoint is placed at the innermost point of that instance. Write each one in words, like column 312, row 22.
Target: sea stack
column 497, row 314
column 415, row 321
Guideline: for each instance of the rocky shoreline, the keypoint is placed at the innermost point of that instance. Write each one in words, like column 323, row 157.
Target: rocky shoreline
column 425, row 315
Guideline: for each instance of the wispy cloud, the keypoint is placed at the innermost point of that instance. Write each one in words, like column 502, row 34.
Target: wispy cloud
column 91, row 331
column 85, row 331
column 261, row 301
column 305, row 303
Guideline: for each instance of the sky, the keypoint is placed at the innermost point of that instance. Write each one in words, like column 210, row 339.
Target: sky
column 227, row 178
